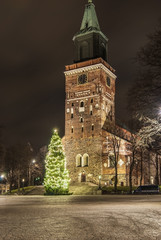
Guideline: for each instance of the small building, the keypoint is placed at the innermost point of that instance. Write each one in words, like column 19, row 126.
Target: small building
column 4, row 188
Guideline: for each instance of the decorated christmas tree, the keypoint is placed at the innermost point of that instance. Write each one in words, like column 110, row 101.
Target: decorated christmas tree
column 56, row 180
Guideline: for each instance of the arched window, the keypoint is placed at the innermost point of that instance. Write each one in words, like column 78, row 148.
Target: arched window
column 79, row 160
column 103, row 51
column 81, row 119
column 85, row 160
column 81, row 104
column 111, row 161
column 84, row 50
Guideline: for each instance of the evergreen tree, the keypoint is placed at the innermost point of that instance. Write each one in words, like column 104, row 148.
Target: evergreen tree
column 56, row 180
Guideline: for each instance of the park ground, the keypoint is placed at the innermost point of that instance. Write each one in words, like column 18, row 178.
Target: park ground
column 80, row 217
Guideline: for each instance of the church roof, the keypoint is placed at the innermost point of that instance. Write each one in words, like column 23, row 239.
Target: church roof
column 90, row 21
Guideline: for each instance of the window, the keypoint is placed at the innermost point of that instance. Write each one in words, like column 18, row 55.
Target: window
column 81, row 107
column 108, row 81
column 79, row 160
column 111, row 161
column 84, row 50
column 111, row 113
column 92, row 127
column 91, row 110
column 72, row 104
column 72, row 130
column 85, row 160
column 82, row 128
column 92, row 100
column 81, row 104
column 72, row 115
column 81, row 119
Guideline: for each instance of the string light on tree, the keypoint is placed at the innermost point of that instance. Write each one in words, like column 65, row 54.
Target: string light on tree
column 56, row 180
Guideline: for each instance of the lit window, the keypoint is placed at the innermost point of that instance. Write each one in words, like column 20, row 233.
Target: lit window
column 111, row 161
column 78, row 160
column 85, row 162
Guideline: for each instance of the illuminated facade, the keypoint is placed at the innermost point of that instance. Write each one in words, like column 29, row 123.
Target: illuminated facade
column 90, row 110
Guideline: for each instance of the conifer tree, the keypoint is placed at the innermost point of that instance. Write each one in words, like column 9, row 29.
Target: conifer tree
column 56, row 180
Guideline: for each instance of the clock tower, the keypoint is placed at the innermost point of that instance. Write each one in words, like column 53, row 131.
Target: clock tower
column 90, row 100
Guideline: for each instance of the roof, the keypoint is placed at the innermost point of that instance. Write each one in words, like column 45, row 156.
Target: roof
column 90, row 21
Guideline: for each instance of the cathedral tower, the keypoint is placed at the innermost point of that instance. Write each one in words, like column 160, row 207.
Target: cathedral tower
column 90, row 100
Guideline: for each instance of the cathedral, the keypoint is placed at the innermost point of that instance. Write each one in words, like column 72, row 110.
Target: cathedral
column 90, row 129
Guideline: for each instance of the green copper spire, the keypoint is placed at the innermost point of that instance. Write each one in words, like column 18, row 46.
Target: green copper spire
column 90, row 19
column 90, row 42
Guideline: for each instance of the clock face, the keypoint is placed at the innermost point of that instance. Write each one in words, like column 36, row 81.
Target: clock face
column 82, row 79
column 108, row 81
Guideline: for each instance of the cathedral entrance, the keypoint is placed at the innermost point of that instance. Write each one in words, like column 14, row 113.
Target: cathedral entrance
column 83, row 177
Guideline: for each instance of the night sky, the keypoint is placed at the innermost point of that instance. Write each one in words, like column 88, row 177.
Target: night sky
column 36, row 44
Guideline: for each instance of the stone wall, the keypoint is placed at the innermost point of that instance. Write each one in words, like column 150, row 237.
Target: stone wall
column 90, row 146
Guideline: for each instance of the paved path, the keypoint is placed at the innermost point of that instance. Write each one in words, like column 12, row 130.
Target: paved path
column 80, row 218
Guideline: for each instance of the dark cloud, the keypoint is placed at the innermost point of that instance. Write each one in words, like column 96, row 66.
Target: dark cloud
column 36, row 44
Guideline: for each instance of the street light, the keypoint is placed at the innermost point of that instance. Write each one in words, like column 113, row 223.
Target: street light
column 30, row 170
column 23, row 181
column 99, row 186
column 2, row 177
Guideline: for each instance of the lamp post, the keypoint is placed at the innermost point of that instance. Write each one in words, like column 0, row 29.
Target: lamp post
column 2, row 177
column 99, row 186
column 30, row 171
column 23, row 181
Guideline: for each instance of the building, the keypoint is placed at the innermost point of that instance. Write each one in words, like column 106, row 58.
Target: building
column 90, row 128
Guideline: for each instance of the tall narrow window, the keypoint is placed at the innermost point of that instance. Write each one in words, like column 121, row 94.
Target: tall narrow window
column 84, row 49
column 92, row 127
column 81, row 107
column 81, row 119
column 85, row 162
column 111, row 161
column 82, row 128
column 81, row 104
column 91, row 110
column 72, row 130
column 72, row 115
column 92, row 100
column 79, row 160
column 111, row 113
